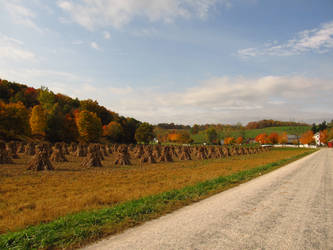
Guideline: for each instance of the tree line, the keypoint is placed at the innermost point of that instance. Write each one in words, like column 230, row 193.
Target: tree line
column 27, row 112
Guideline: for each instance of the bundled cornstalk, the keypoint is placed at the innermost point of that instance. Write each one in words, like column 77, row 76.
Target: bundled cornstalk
column 165, row 155
column 93, row 157
column 147, row 156
column 122, row 156
column 81, row 150
column 57, row 153
column 184, row 154
column 12, row 149
column 30, row 149
column 41, row 160
column 4, row 155
column 201, row 153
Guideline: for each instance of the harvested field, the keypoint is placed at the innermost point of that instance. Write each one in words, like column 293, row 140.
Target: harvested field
column 28, row 198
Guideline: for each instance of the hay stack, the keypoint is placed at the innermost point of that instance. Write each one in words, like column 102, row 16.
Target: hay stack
column 20, row 148
column 165, row 155
column 93, row 158
column 104, row 150
column 139, row 152
column 12, row 149
column 81, row 150
column 40, row 161
column 57, row 154
column 147, row 157
column 157, row 151
column 226, row 152
column 185, row 154
column 122, row 157
column 4, row 155
column 30, row 149
column 201, row 153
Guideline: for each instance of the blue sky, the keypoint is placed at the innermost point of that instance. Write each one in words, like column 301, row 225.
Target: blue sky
column 182, row 61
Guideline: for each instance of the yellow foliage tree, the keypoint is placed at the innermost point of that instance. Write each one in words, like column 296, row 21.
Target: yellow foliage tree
column 89, row 126
column 307, row 138
column 283, row 138
column 38, row 121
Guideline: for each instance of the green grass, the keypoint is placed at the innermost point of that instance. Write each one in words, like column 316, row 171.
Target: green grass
column 252, row 133
column 80, row 228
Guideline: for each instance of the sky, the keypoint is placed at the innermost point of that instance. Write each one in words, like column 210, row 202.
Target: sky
column 181, row 61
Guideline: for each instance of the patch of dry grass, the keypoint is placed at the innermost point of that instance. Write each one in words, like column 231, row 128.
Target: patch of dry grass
column 28, row 198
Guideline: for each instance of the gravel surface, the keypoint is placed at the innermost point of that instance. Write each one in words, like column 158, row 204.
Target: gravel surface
column 290, row 208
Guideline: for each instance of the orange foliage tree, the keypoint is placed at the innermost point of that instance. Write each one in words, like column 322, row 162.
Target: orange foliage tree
column 38, row 120
column 307, row 137
column 273, row 138
column 283, row 138
column 239, row 140
column 262, row 138
column 229, row 140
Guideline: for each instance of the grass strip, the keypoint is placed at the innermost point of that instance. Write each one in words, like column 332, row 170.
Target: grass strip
column 77, row 229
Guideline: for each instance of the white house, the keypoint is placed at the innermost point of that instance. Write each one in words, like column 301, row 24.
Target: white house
column 316, row 137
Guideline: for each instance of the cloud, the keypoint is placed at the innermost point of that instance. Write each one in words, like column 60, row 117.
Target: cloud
column 94, row 45
column 115, row 13
column 223, row 99
column 12, row 49
column 107, row 35
column 319, row 40
column 21, row 14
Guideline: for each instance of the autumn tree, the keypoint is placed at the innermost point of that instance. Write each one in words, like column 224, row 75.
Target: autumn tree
column 113, row 131
column 283, row 138
column 239, row 140
column 89, row 126
column 144, row 133
column 307, row 137
column 14, row 120
column 38, row 121
column 273, row 138
column 211, row 135
column 70, row 129
column 229, row 140
column 262, row 138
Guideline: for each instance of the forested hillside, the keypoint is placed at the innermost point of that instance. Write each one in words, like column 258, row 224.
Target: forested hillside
column 26, row 112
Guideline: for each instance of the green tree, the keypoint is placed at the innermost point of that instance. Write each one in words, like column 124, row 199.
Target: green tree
column 144, row 133
column 55, row 124
column 89, row 126
column 211, row 135
column 195, row 129
column 46, row 98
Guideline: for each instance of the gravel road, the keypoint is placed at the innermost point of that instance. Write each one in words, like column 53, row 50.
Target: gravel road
column 290, row 208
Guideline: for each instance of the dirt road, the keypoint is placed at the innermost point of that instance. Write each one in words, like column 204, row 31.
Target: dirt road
column 290, row 208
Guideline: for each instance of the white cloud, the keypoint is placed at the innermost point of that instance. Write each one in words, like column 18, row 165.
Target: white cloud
column 117, row 13
column 21, row 14
column 319, row 40
column 107, row 35
column 229, row 100
column 12, row 49
column 94, row 45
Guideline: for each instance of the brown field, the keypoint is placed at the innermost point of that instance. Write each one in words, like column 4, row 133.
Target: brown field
column 28, row 198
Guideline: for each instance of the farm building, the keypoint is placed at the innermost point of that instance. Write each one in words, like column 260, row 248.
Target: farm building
column 292, row 139
column 330, row 143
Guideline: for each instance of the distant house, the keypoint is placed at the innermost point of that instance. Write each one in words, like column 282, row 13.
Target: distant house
column 292, row 139
column 316, row 137
column 330, row 143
